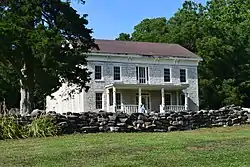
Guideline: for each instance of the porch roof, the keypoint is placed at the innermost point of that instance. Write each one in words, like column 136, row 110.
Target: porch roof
column 169, row 86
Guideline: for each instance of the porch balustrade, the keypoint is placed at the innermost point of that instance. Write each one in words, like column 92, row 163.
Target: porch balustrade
column 174, row 108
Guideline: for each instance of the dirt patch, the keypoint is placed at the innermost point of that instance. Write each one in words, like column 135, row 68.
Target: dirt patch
column 200, row 148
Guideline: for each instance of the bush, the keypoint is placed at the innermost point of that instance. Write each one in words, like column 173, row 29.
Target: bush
column 42, row 126
column 9, row 129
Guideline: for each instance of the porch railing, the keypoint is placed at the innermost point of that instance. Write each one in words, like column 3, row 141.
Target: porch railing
column 128, row 109
column 174, row 108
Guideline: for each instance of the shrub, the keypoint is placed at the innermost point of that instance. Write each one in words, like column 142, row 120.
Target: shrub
column 42, row 126
column 9, row 129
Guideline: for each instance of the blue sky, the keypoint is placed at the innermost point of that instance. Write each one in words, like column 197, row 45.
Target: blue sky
column 108, row 18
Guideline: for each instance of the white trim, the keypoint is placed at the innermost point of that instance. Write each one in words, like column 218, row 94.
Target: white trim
column 186, row 74
column 113, row 72
column 136, row 56
column 146, row 72
column 170, row 71
column 102, row 100
column 142, row 59
column 102, row 72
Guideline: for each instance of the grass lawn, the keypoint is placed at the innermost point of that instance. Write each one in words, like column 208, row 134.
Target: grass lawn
column 227, row 147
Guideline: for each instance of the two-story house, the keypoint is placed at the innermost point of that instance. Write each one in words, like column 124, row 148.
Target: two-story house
column 126, row 75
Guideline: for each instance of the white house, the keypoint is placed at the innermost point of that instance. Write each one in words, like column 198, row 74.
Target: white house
column 126, row 75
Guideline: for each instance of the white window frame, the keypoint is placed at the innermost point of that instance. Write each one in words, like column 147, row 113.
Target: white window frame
column 170, row 71
column 186, row 73
column 171, row 98
column 114, row 73
column 101, row 73
column 102, row 101
column 147, row 71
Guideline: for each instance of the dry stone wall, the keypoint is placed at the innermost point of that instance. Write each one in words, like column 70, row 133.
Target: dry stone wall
column 92, row 122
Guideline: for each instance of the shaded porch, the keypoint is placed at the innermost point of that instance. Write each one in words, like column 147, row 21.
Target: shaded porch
column 158, row 98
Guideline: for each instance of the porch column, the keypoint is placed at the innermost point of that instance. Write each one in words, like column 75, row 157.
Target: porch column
column 139, row 99
column 114, row 99
column 177, row 98
column 186, row 101
column 107, row 93
column 162, row 100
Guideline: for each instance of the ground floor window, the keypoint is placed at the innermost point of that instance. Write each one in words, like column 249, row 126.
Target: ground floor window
column 182, row 99
column 168, row 97
column 98, row 100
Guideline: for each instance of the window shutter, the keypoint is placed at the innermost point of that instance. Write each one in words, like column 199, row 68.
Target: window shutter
column 147, row 73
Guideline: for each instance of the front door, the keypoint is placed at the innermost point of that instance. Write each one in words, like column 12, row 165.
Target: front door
column 145, row 99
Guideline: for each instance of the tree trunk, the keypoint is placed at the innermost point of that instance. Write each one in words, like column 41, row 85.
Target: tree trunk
column 26, row 90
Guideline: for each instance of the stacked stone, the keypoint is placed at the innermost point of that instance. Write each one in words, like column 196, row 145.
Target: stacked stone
column 92, row 122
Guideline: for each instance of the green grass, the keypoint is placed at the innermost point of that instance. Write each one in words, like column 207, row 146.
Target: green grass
column 227, row 147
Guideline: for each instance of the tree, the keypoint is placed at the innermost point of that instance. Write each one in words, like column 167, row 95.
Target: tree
column 150, row 30
column 219, row 33
column 124, row 37
column 44, row 41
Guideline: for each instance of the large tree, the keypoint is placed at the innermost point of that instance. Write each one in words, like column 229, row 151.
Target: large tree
column 218, row 32
column 43, row 41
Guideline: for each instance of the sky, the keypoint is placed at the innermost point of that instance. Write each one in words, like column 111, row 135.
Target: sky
column 108, row 18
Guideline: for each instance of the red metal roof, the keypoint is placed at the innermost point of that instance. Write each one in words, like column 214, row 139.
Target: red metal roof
column 143, row 48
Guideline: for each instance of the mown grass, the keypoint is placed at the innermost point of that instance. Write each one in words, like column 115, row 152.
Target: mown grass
column 219, row 147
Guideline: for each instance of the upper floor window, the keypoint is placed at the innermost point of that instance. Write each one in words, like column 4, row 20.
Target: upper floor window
column 167, row 75
column 142, row 75
column 98, row 72
column 117, row 73
column 183, row 75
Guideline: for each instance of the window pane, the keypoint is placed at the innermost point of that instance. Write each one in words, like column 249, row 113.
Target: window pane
column 167, row 99
column 117, row 73
column 166, row 75
column 182, row 75
column 98, row 100
column 182, row 99
column 98, row 72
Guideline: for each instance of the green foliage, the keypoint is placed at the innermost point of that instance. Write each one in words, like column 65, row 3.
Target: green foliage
column 124, row 37
column 219, row 33
column 44, row 40
column 9, row 129
column 42, row 126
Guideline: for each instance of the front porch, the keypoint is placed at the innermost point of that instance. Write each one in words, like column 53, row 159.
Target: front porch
column 146, row 98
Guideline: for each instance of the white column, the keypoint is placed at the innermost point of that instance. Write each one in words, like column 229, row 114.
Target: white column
column 139, row 99
column 162, row 100
column 107, row 93
column 114, row 99
column 186, row 101
column 177, row 97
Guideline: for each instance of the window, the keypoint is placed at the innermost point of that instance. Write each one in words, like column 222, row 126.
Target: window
column 98, row 72
column 142, row 75
column 168, row 99
column 98, row 100
column 182, row 99
column 183, row 75
column 117, row 73
column 166, row 75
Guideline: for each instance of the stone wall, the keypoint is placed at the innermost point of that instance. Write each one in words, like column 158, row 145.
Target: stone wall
column 92, row 122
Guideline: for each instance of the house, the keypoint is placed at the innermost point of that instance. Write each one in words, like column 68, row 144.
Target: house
column 128, row 75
